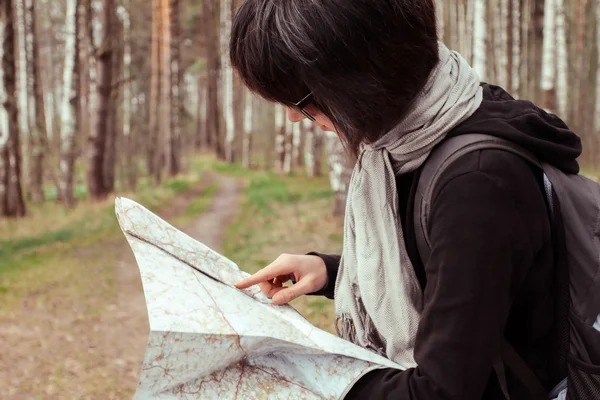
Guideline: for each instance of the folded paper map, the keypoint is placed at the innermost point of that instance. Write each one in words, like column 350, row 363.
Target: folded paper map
column 210, row 340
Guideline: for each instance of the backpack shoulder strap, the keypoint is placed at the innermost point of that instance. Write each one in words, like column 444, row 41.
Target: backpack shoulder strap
column 438, row 161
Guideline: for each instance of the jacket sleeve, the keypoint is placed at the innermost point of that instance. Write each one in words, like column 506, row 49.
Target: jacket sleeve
column 483, row 242
column 332, row 263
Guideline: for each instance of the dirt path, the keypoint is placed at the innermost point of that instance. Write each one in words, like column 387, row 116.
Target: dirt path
column 209, row 228
column 89, row 344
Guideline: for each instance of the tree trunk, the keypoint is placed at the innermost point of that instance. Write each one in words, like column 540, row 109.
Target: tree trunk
column 213, row 106
column 587, row 78
column 202, row 136
column 510, row 40
column 69, row 123
column 548, row 59
column 502, row 44
column 247, row 147
column 461, row 25
column 597, row 112
column 129, row 154
column 97, row 139
column 22, row 81
column 313, row 150
column 515, row 46
column 296, row 143
column 165, row 105
column 174, row 134
column 479, row 35
column 289, row 139
column 561, row 60
column 440, row 11
column 4, row 109
column 12, row 202
column 227, row 80
column 37, row 131
column 469, row 9
column 536, row 42
column 112, row 125
column 340, row 171
column 524, row 59
column 154, row 140
column 280, row 136
column 452, row 34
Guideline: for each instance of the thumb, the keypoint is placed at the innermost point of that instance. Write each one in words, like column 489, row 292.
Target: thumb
column 288, row 294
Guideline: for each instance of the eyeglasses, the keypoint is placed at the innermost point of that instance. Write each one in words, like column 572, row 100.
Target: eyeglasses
column 299, row 106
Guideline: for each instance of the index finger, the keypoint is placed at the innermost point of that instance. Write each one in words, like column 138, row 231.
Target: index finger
column 268, row 273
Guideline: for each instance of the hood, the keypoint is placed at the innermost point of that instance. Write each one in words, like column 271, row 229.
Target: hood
column 522, row 122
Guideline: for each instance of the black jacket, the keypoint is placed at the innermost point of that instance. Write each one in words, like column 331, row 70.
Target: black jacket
column 490, row 274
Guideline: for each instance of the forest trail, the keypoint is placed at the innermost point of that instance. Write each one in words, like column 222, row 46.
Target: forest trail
column 93, row 347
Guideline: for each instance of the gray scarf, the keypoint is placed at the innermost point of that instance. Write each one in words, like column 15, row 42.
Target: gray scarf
column 378, row 300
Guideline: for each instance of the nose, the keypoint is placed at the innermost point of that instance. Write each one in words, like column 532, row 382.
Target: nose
column 295, row 116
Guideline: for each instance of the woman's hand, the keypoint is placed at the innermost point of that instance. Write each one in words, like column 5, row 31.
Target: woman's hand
column 309, row 272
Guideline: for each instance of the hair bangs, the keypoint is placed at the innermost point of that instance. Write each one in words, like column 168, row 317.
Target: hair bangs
column 259, row 54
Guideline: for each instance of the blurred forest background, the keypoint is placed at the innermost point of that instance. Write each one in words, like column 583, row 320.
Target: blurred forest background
column 100, row 98
column 98, row 94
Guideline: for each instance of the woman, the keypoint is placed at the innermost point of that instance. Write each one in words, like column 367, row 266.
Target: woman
column 374, row 72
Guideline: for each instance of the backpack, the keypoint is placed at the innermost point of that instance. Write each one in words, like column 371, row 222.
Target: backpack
column 574, row 208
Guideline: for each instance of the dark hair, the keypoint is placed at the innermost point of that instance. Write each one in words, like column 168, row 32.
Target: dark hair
column 364, row 60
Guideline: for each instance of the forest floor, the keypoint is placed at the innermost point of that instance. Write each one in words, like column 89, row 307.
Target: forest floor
column 73, row 321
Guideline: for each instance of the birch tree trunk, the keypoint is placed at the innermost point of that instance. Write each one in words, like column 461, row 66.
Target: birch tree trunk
column 452, row 35
column 69, row 106
column 130, row 159
column 587, row 78
column 313, row 150
column 502, row 44
column 536, row 40
column 37, row 132
column 4, row 132
column 289, row 137
column 561, row 60
column 247, row 147
column 97, row 138
column 440, row 11
column 479, row 43
column 515, row 46
column 461, row 26
column 340, row 171
column 227, row 80
column 469, row 9
column 20, row 24
column 280, row 135
column 91, row 65
column 296, row 143
column 12, row 203
column 524, row 55
column 548, row 58
column 202, row 135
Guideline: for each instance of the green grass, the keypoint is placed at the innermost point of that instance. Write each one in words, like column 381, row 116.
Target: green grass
column 284, row 215
column 200, row 204
column 51, row 228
